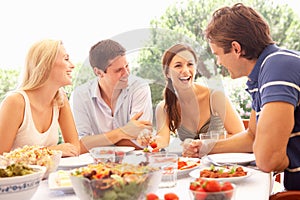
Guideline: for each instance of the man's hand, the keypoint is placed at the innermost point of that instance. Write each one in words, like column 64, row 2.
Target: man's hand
column 134, row 127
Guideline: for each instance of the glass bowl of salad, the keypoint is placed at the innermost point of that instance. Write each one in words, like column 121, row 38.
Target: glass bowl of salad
column 114, row 181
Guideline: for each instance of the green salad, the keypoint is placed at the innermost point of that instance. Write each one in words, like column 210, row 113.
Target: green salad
column 110, row 181
column 16, row 169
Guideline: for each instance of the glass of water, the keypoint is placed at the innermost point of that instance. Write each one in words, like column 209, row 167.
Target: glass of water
column 167, row 162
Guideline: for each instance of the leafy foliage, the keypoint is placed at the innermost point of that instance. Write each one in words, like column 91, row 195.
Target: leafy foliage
column 241, row 100
column 8, row 81
column 185, row 22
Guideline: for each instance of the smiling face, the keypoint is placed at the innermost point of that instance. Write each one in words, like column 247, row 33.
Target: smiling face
column 62, row 68
column 232, row 61
column 117, row 73
column 182, row 70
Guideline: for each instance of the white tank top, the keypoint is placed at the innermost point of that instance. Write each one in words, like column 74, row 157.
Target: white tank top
column 28, row 134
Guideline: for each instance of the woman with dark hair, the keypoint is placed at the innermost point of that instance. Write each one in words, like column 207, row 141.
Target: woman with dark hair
column 190, row 109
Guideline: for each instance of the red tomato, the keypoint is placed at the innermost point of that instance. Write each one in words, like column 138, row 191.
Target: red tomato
column 213, row 186
column 200, row 194
column 181, row 164
column 152, row 196
column 171, row 196
column 153, row 144
column 194, row 185
column 227, row 186
column 201, row 181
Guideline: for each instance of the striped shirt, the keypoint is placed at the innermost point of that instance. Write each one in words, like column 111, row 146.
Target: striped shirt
column 276, row 77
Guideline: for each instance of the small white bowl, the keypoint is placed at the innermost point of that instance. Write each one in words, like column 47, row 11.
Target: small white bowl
column 21, row 187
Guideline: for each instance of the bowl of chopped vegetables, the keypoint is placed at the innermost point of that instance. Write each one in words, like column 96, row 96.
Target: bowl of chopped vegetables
column 203, row 189
column 20, row 181
column 112, row 181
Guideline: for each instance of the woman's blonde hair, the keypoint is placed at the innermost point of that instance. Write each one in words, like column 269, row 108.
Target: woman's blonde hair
column 39, row 62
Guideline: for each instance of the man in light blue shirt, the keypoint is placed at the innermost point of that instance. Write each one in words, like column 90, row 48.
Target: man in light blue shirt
column 115, row 107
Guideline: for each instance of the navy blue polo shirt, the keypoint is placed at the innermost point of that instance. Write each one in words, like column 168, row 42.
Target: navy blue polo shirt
column 276, row 77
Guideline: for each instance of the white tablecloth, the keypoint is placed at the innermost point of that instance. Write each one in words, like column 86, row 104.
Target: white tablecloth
column 255, row 187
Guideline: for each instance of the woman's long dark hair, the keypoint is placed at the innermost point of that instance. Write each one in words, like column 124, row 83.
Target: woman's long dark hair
column 171, row 107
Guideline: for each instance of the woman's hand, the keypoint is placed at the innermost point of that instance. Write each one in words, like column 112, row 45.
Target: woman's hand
column 67, row 149
column 191, row 148
column 198, row 148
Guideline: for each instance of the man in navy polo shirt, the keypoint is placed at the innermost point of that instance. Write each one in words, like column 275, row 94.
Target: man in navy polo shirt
column 240, row 39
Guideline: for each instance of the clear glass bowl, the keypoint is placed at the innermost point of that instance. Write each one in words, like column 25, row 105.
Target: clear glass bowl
column 222, row 195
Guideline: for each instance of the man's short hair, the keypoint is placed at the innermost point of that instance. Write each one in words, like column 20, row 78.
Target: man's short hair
column 103, row 52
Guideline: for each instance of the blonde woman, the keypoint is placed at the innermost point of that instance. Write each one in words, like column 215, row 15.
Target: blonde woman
column 33, row 114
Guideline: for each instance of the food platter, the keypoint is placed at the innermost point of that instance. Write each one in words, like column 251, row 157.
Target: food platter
column 186, row 165
column 196, row 174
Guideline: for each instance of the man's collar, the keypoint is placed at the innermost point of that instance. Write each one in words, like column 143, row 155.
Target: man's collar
column 253, row 77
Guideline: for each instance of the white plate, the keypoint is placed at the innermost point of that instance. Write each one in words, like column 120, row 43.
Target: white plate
column 77, row 161
column 52, row 183
column 190, row 161
column 234, row 158
column 196, row 174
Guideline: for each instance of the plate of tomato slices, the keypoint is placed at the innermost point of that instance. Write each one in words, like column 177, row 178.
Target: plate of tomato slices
column 225, row 173
column 186, row 165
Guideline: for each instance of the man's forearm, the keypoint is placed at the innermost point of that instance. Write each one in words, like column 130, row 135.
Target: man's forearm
column 126, row 142
column 241, row 142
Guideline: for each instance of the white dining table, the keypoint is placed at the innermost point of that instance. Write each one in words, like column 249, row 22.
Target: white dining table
column 257, row 186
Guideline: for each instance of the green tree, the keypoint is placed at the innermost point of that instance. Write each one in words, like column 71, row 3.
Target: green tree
column 8, row 81
column 185, row 22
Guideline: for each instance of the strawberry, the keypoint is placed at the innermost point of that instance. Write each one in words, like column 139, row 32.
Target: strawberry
column 152, row 196
column 194, row 185
column 213, row 186
column 226, row 186
column 153, row 144
column 171, row 196
column 200, row 194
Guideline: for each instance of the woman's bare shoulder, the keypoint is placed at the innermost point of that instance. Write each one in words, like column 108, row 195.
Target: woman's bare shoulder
column 201, row 90
column 199, row 86
column 14, row 99
column 160, row 105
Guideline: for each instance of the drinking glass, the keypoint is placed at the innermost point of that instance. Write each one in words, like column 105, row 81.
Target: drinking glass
column 167, row 162
column 103, row 154
column 212, row 135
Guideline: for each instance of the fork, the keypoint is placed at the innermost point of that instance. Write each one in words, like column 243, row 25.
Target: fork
column 216, row 163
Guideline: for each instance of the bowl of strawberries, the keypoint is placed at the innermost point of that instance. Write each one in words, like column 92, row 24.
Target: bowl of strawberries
column 203, row 189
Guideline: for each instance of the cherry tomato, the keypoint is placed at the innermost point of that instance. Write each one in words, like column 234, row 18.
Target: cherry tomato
column 171, row 196
column 200, row 194
column 153, row 144
column 152, row 196
column 213, row 186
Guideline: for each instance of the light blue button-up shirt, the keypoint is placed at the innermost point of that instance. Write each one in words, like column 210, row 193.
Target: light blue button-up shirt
column 93, row 116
